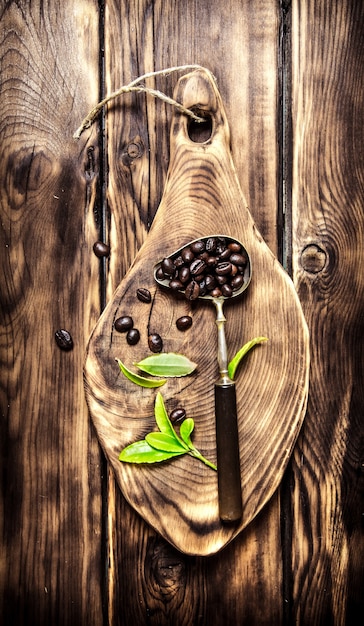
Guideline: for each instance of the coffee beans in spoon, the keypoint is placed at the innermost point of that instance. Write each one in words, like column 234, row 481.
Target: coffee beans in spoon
column 214, row 266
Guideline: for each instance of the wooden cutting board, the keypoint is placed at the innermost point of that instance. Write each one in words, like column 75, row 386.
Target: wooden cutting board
column 202, row 197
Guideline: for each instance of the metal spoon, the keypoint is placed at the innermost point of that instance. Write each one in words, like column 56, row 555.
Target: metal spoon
column 227, row 440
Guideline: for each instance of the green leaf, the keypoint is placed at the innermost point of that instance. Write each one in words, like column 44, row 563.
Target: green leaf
column 139, row 380
column 142, row 452
column 186, row 429
column 233, row 365
column 167, row 443
column 161, row 417
column 168, row 364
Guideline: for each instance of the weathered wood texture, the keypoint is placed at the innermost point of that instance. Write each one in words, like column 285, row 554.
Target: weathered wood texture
column 328, row 238
column 51, row 550
column 301, row 560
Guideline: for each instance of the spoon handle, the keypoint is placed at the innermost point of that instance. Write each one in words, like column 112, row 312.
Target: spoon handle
column 227, row 450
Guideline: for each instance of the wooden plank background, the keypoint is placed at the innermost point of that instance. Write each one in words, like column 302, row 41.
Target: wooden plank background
column 291, row 77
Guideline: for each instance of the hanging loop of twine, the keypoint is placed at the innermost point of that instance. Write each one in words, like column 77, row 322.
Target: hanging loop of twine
column 134, row 86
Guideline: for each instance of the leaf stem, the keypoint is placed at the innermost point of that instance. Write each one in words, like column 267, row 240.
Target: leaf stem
column 195, row 453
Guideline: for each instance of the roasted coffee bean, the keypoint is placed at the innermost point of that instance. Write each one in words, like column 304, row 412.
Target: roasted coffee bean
column 168, row 267
column 221, row 279
column 178, row 415
column 211, row 261
column 178, row 261
column 197, row 267
column 221, row 245
column 160, row 274
column 234, row 246
column 237, row 282
column 197, row 247
column 210, row 282
column 211, row 244
column 63, row 339
column 225, row 254
column 223, row 268
column 184, row 274
column 187, row 255
column 155, row 342
column 192, row 290
column 238, row 259
column 123, row 324
column 101, row 249
column 226, row 290
column 184, row 322
column 133, row 336
column 144, row 295
column 203, row 288
column 216, row 293
column 175, row 284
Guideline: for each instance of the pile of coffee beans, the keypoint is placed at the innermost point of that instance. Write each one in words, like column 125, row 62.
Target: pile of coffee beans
column 212, row 266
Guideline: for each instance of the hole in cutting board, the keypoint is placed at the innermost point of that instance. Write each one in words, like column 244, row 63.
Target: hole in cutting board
column 200, row 132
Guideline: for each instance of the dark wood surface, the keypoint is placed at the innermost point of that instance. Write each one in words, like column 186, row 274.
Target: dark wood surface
column 72, row 549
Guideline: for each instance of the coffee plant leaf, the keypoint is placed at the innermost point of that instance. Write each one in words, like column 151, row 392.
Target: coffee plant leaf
column 140, row 380
column 234, row 363
column 167, row 364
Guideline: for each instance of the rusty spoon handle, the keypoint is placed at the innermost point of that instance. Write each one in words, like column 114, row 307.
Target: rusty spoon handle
column 227, row 436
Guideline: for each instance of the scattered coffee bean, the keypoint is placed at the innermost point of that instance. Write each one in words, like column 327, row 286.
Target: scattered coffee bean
column 155, row 342
column 63, row 339
column 133, row 336
column 123, row 324
column 144, row 295
column 178, row 415
column 214, row 266
column 101, row 249
column 184, row 322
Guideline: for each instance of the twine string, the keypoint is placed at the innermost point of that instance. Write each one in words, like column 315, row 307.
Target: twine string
column 134, row 86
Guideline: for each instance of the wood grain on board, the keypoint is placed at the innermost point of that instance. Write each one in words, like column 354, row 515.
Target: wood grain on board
column 51, row 551
column 328, row 237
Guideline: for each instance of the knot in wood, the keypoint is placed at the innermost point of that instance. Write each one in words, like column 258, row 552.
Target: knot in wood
column 134, row 150
column 131, row 151
column 313, row 258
